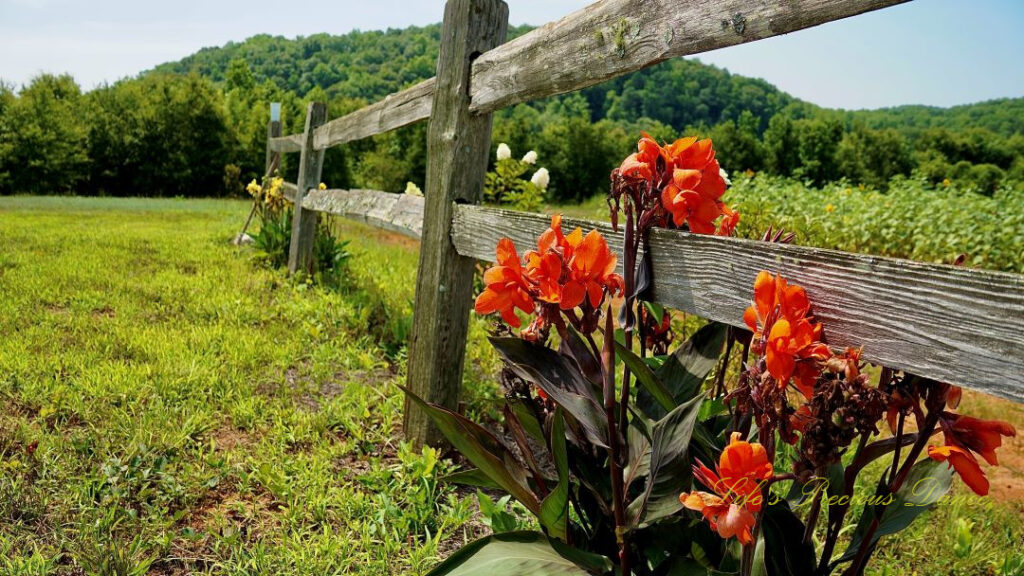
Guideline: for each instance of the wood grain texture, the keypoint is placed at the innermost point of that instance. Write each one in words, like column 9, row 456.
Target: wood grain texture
column 400, row 213
column 614, row 37
column 399, row 109
column 273, row 131
column 300, row 255
column 952, row 324
column 458, row 143
column 288, row 191
column 285, row 144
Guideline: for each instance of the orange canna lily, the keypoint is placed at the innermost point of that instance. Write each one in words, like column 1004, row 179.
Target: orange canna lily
column 506, row 288
column 792, row 342
column 730, row 218
column 965, row 464
column 742, row 469
column 592, row 271
column 966, row 436
column 726, row 518
column 642, row 164
column 979, row 436
column 693, row 194
column 568, row 269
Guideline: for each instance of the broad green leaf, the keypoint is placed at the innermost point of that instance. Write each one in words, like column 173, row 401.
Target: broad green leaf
column 520, row 554
column 645, row 377
column 686, row 368
column 574, row 345
column 785, row 553
column 561, row 380
column 926, row 484
column 482, row 449
column 529, row 421
column 638, row 463
column 554, row 510
column 712, row 407
column 670, row 468
column 543, row 362
column 758, row 567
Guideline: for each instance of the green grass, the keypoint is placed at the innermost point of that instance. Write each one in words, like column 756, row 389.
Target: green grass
column 168, row 407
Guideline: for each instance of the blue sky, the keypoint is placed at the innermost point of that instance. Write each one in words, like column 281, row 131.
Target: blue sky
column 937, row 52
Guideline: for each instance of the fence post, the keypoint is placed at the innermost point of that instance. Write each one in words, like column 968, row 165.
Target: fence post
column 300, row 255
column 458, row 144
column 273, row 131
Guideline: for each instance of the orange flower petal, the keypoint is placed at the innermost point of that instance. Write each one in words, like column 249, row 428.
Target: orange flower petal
column 964, row 464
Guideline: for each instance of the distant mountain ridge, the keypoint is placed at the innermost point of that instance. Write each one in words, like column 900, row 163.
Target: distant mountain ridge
column 681, row 93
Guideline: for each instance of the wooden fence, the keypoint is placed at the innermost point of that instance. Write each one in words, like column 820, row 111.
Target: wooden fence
column 952, row 324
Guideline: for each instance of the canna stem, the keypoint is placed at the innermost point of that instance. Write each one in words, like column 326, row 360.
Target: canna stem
column 614, row 450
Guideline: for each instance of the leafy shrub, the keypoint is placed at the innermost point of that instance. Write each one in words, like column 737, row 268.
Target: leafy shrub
column 914, row 219
column 506, row 185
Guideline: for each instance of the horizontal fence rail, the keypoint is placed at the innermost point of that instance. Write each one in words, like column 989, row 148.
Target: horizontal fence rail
column 289, row 190
column 615, row 37
column 400, row 213
column 602, row 41
column 282, row 144
column 957, row 325
column 399, row 109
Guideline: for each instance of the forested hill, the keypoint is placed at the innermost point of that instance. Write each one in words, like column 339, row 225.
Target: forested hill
column 680, row 93
column 197, row 127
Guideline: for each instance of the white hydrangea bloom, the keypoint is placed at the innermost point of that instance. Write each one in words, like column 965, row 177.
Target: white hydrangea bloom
column 530, row 157
column 504, row 152
column 725, row 176
column 412, row 189
column 541, row 179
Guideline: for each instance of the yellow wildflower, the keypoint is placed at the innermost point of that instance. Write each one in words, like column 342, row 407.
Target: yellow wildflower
column 412, row 189
column 322, row 186
column 253, row 188
column 946, row 182
column 829, row 207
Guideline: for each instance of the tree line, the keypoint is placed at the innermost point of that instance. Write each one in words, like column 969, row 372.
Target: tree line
column 197, row 127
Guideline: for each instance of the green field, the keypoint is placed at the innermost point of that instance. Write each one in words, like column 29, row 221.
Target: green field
column 170, row 407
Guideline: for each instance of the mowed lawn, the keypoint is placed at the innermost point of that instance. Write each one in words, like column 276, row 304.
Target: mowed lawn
column 169, row 406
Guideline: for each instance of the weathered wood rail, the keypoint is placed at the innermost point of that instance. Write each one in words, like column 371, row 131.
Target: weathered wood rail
column 953, row 324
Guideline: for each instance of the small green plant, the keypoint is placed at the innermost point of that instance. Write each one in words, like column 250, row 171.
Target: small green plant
column 273, row 240
column 496, row 514
column 330, row 255
column 274, row 237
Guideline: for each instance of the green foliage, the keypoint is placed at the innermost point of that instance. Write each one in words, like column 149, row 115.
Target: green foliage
column 274, row 237
column 174, row 130
column 569, row 437
column 43, row 137
column 162, row 135
column 330, row 254
column 506, row 186
column 912, row 220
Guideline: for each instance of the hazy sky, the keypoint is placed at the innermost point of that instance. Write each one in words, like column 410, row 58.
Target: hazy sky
column 938, row 52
